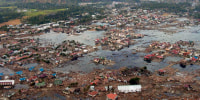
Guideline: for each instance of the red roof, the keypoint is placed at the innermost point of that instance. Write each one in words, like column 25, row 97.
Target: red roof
column 32, row 40
column 149, row 56
column 33, row 78
column 95, row 82
column 186, row 53
column 175, row 51
column 145, row 17
column 15, row 42
column 160, row 57
column 112, row 96
column 152, row 55
column 105, row 38
column 73, row 53
column 194, row 59
column 97, row 40
column 161, row 70
column 93, row 93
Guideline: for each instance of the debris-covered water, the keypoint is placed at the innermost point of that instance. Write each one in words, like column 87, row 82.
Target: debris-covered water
column 126, row 58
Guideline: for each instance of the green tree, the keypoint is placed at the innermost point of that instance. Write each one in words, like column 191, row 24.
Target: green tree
column 134, row 81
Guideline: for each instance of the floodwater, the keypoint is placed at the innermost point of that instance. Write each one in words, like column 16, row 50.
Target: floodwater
column 86, row 37
column 6, row 71
column 188, row 68
column 191, row 33
column 125, row 57
column 31, row 65
column 99, row 23
column 21, row 86
column 51, row 95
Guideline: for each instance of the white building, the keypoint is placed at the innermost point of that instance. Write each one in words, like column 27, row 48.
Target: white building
column 129, row 88
column 7, row 82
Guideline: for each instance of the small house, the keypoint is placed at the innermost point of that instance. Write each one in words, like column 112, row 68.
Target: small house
column 93, row 93
column 42, row 76
column 41, row 69
column 58, row 82
column 96, row 82
column 22, row 79
column 161, row 72
column 32, row 78
column 19, row 72
column 39, row 85
column 194, row 59
column 1, row 74
column 111, row 96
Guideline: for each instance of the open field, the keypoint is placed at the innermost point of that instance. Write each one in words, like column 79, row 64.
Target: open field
column 34, row 12
column 11, row 7
column 29, row 13
column 11, row 22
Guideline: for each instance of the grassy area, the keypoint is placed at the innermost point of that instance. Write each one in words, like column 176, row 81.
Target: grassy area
column 10, row 7
column 34, row 12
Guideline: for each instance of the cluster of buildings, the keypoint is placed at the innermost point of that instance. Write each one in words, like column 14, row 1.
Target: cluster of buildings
column 146, row 19
column 24, row 51
column 181, row 48
column 116, row 39
column 99, row 82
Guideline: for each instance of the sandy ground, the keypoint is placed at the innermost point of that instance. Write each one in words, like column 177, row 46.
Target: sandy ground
column 11, row 22
column 2, row 32
column 166, row 14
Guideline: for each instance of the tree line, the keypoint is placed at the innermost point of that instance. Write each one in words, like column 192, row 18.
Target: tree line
column 179, row 8
column 6, row 14
column 167, row 7
column 73, row 12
